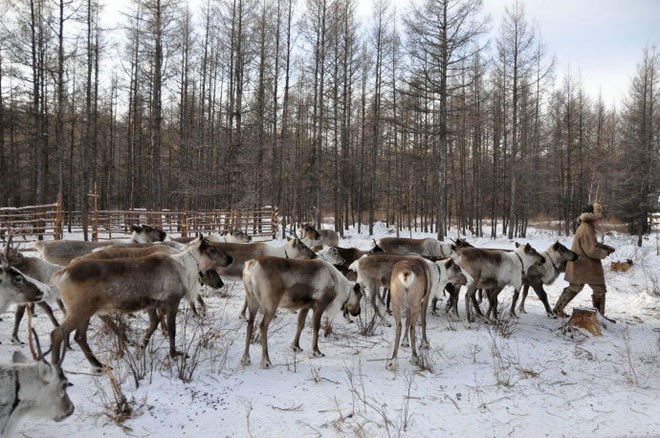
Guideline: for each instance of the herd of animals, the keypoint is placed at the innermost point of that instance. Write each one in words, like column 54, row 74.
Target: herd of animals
column 153, row 273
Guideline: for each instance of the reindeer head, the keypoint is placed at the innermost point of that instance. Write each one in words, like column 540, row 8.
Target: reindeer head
column 147, row 234
column 352, row 304
column 454, row 273
column 309, row 232
column 331, row 254
column 561, row 253
column 296, row 249
column 529, row 256
column 209, row 256
column 48, row 389
column 239, row 235
column 18, row 288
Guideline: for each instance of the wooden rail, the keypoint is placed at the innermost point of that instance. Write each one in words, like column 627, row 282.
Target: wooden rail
column 46, row 222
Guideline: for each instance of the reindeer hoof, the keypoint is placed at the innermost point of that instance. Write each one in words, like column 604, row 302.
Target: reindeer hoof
column 392, row 365
column 246, row 361
column 318, row 354
column 434, row 313
column 266, row 365
column 414, row 360
column 425, row 345
column 242, row 317
column 405, row 343
column 386, row 323
column 551, row 315
column 15, row 341
column 297, row 349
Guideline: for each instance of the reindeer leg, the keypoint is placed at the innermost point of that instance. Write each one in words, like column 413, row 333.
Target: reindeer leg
column 265, row 322
column 243, row 314
column 425, row 342
column 252, row 315
column 302, row 316
column 514, row 300
column 60, row 304
column 172, row 307
column 525, row 291
column 18, row 317
column 543, row 296
column 392, row 363
column 202, row 305
column 81, row 338
column 49, row 312
column 316, row 326
column 374, row 295
column 154, row 319
column 412, row 322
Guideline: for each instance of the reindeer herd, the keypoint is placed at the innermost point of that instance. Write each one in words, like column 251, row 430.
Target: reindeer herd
column 152, row 273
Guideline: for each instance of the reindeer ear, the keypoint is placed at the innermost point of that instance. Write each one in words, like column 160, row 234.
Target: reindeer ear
column 44, row 370
column 356, row 289
column 528, row 247
column 517, row 244
column 449, row 263
column 19, row 357
column 136, row 227
column 556, row 245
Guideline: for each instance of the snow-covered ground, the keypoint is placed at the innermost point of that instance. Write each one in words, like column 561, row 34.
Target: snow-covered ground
column 521, row 378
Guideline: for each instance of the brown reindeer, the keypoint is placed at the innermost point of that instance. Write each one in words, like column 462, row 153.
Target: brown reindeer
column 61, row 252
column 319, row 238
column 153, row 282
column 272, row 282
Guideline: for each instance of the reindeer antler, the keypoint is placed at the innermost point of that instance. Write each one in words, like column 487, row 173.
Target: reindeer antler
column 5, row 258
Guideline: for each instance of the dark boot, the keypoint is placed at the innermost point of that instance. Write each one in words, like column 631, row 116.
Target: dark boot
column 598, row 301
column 566, row 296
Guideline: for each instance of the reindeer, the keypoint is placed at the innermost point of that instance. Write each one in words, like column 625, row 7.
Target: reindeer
column 16, row 287
column 272, row 282
column 495, row 269
column 32, row 388
column 41, row 271
column 556, row 257
column 61, row 252
column 428, row 247
column 343, row 258
column 154, row 282
column 294, row 248
column 232, row 236
column 318, row 238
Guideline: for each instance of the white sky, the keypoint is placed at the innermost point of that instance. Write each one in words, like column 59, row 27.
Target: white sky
column 599, row 41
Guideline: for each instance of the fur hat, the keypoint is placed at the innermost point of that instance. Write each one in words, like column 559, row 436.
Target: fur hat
column 591, row 212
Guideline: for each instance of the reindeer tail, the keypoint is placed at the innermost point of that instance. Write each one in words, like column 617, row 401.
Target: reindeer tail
column 407, row 278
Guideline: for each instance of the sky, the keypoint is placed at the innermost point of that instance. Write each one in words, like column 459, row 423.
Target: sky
column 598, row 41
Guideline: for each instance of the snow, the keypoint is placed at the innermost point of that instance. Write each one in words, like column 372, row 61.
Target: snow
column 523, row 377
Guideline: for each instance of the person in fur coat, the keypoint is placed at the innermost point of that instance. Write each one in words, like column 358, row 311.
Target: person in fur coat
column 588, row 269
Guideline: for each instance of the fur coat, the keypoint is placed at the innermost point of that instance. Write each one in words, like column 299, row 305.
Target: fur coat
column 588, row 269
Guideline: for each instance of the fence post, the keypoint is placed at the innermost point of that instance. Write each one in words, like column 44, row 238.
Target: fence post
column 274, row 223
column 184, row 224
column 95, row 216
column 59, row 218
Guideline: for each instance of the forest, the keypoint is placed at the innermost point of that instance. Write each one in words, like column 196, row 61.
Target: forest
column 430, row 116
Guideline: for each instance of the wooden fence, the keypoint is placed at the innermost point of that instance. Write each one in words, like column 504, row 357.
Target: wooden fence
column 46, row 222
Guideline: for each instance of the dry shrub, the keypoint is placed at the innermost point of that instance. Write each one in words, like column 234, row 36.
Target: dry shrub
column 621, row 266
